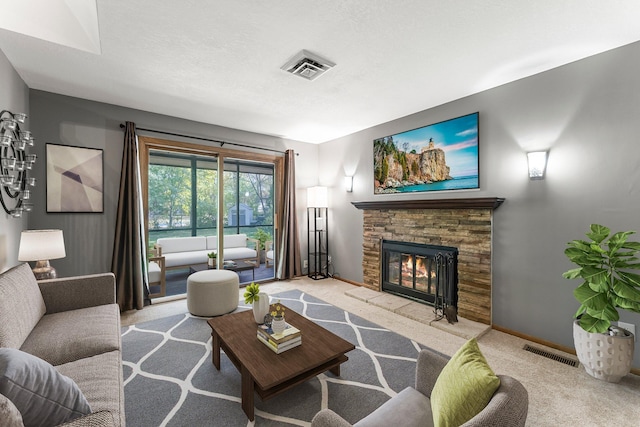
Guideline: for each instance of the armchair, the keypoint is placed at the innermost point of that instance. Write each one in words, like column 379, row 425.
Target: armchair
column 412, row 407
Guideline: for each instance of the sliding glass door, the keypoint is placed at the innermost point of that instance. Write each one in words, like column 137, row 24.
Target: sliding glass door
column 183, row 201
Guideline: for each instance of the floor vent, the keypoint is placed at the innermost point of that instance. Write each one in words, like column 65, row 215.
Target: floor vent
column 552, row 356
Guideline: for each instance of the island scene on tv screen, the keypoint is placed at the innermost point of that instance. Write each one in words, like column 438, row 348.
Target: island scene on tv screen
column 441, row 156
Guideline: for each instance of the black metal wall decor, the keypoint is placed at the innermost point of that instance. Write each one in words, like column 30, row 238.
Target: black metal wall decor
column 15, row 164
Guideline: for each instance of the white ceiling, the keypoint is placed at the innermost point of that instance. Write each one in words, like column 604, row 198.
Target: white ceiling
column 218, row 61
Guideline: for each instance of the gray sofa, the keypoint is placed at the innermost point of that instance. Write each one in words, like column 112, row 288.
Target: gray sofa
column 411, row 407
column 73, row 324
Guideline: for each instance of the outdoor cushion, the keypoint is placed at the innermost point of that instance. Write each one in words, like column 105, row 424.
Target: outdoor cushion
column 41, row 394
column 463, row 388
column 182, row 244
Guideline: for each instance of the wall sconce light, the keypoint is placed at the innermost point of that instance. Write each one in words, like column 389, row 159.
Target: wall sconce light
column 41, row 246
column 348, row 183
column 15, row 164
column 537, row 164
column 317, row 197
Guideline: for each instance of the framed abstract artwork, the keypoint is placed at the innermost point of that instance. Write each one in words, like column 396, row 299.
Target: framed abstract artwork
column 441, row 156
column 75, row 179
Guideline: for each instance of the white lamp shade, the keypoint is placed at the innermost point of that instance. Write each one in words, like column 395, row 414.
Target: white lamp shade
column 41, row 245
column 317, row 197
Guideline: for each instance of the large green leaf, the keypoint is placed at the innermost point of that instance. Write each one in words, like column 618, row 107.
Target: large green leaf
column 593, row 325
column 631, row 278
column 608, row 312
column 634, row 246
column 573, row 273
column 596, row 248
column 626, row 291
column 602, row 288
column 580, row 244
column 589, row 298
column 598, row 233
column 618, row 240
column 594, row 274
column 626, row 304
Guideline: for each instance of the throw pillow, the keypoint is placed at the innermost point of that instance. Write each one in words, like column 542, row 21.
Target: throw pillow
column 463, row 388
column 42, row 394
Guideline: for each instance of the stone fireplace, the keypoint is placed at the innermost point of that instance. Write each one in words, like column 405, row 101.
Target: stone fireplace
column 465, row 224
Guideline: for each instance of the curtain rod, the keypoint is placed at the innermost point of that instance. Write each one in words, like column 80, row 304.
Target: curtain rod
column 207, row 139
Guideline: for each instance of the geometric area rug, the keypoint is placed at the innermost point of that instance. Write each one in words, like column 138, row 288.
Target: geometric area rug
column 169, row 379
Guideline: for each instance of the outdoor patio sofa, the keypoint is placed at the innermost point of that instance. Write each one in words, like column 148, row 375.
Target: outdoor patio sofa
column 60, row 350
column 180, row 252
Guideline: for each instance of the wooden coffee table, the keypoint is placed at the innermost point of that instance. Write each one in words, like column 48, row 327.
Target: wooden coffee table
column 265, row 372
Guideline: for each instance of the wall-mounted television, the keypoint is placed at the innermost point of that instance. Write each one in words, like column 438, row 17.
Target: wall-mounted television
column 440, row 156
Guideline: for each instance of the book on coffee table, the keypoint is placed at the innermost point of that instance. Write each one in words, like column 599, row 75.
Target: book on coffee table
column 290, row 333
column 279, row 348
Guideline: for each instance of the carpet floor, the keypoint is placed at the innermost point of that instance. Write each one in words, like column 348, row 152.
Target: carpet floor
column 170, row 380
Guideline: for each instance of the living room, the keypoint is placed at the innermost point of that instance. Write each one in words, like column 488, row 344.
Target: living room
column 584, row 113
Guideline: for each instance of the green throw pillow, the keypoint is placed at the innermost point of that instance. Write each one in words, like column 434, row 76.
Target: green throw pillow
column 463, row 388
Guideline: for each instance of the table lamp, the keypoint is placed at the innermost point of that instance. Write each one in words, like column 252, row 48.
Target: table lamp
column 41, row 246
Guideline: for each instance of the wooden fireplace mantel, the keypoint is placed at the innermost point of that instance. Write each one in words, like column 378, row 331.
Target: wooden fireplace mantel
column 467, row 203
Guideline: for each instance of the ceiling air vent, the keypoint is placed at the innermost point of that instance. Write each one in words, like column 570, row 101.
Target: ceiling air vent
column 307, row 65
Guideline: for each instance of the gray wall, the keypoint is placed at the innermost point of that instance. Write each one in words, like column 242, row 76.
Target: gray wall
column 72, row 121
column 14, row 96
column 587, row 114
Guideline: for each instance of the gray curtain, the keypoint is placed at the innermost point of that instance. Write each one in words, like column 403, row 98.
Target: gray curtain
column 289, row 260
column 129, row 250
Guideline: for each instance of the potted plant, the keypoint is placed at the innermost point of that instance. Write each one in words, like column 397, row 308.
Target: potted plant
column 261, row 236
column 605, row 264
column 258, row 300
column 212, row 259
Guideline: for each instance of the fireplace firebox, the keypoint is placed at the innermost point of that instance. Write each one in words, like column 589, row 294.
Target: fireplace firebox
column 421, row 272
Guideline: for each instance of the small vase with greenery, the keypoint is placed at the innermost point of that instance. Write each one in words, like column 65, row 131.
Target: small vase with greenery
column 605, row 266
column 258, row 300
column 212, row 258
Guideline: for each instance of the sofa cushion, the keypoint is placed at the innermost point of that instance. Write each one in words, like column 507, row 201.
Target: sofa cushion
column 70, row 335
column 230, row 241
column 9, row 414
column 409, row 408
column 100, row 379
column 155, row 272
column 182, row 244
column 21, row 305
column 239, row 253
column 42, row 395
column 235, row 241
column 463, row 388
column 212, row 243
column 185, row 258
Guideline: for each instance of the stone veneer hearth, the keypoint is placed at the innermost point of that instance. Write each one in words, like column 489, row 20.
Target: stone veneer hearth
column 462, row 223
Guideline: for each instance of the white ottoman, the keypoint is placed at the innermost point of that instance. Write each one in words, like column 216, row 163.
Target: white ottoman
column 212, row 292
